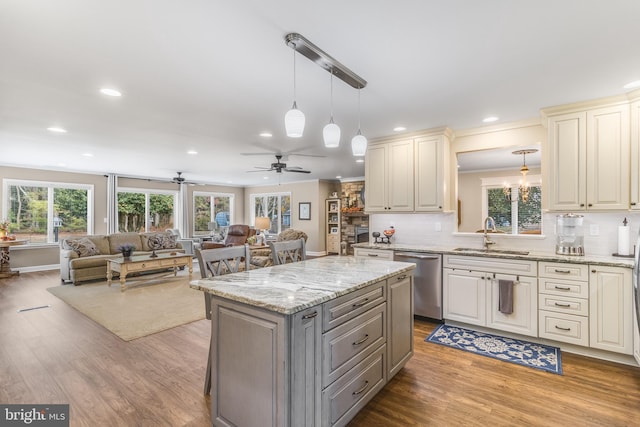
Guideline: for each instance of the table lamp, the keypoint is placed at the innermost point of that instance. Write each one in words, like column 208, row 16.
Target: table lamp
column 263, row 223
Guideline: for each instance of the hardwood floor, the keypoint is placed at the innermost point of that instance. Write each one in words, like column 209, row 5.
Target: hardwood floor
column 57, row 355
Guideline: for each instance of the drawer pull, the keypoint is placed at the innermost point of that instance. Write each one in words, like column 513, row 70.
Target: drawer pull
column 562, row 288
column 310, row 315
column 372, row 254
column 361, row 390
column 360, row 341
column 563, row 271
column 360, row 304
column 562, row 305
column 404, row 276
column 562, row 329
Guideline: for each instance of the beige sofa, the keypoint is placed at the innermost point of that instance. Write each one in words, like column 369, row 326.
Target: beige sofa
column 85, row 258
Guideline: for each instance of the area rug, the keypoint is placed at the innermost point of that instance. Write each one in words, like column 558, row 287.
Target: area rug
column 142, row 310
column 524, row 353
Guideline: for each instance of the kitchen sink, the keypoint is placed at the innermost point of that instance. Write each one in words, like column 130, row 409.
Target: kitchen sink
column 492, row 251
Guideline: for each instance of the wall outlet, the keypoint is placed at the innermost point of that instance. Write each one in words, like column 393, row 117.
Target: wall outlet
column 438, row 226
column 594, row 229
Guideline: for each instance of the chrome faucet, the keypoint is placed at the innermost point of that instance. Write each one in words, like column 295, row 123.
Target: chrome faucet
column 486, row 240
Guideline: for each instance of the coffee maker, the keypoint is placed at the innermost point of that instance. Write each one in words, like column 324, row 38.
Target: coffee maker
column 569, row 234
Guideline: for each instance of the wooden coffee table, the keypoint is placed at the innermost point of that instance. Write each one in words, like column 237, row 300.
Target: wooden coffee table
column 141, row 263
column 5, row 260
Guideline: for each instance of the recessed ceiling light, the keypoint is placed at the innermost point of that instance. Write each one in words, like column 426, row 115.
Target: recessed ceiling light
column 632, row 85
column 192, row 152
column 266, row 134
column 360, row 161
column 339, row 177
column 490, row 119
column 110, row 92
column 399, row 128
column 265, row 177
column 62, row 165
column 87, row 154
column 56, row 129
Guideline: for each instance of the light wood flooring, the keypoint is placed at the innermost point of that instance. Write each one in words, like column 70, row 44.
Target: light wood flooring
column 57, row 355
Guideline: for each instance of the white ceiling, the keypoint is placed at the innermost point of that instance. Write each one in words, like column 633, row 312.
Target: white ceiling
column 211, row 75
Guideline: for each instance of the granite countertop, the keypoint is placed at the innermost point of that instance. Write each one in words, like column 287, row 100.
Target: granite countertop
column 610, row 261
column 290, row 288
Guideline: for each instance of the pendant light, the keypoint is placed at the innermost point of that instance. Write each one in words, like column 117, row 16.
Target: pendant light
column 294, row 119
column 359, row 142
column 331, row 132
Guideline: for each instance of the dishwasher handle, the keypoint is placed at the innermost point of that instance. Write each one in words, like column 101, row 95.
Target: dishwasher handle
column 415, row 255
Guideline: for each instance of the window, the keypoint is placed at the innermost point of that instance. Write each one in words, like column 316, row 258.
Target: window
column 511, row 214
column 211, row 212
column 276, row 206
column 44, row 212
column 146, row 210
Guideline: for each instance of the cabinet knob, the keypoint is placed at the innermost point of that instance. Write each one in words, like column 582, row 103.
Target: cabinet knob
column 590, row 204
column 582, row 205
column 633, row 203
column 593, row 271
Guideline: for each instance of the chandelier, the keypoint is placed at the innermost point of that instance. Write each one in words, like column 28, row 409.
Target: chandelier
column 523, row 187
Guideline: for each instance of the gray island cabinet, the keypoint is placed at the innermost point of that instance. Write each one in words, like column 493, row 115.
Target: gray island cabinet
column 308, row 343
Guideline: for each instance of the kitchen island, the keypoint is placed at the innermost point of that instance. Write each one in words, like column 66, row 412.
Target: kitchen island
column 308, row 343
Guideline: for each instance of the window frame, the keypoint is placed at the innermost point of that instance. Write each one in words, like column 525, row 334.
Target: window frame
column 211, row 195
column 50, row 185
column 513, row 182
column 252, row 203
column 147, row 192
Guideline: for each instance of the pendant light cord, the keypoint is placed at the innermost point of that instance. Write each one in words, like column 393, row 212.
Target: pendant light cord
column 359, row 132
column 331, row 97
column 294, row 79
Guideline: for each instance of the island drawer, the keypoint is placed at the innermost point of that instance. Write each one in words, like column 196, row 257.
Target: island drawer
column 569, row 288
column 348, row 344
column 346, row 307
column 344, row 398
column 556, row 270
column 567, row 328
column 563, row 304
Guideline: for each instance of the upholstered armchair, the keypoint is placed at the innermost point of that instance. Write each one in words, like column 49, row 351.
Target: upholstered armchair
column 237, row 234
column 263, row 257
column 188, row 244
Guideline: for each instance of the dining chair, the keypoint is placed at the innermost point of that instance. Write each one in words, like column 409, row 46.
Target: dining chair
column 216, row 262
column 288, row 251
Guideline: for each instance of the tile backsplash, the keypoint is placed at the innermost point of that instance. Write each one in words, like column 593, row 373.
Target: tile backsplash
column 438, row 229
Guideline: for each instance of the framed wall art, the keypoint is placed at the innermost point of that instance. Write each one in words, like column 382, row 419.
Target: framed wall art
column 304, row 210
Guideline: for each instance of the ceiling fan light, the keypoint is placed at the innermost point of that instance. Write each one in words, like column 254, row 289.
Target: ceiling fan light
column 359, row 145
column 331, row 135
column 294, row 122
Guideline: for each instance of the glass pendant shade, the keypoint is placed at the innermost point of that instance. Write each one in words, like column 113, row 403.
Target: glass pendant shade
column 359, row 145
column 294, row 122
column 331, row 135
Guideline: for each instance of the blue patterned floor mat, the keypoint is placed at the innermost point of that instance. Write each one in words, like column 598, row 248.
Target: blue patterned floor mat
column 524, row 353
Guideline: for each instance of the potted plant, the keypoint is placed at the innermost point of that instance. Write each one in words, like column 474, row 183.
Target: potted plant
column 126, row 249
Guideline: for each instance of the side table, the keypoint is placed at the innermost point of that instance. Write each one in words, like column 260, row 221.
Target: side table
column 5, row 259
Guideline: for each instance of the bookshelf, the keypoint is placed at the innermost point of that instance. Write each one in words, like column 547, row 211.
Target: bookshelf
column 333, row 225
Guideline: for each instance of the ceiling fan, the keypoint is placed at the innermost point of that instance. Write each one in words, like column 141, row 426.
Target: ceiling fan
column 179, row 179
column 278, row 166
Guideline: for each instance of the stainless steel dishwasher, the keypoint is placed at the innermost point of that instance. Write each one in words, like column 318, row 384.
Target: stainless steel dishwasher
column 427, row 283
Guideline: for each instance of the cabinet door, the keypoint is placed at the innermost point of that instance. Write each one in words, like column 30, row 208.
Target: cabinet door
column 566, row 186
column 306, row 345
column 464, row 296
column 610, row 309
column 635, row 155
column 401, row 177
column 375, row 175
column 524, row 319
column 400, row 326
column 429, row 178
column 608, row 158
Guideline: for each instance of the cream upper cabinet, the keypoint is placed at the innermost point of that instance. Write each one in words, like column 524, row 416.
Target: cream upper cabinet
column 389, row 177
column 431, row 172
column 635, row 155
column 589, row 159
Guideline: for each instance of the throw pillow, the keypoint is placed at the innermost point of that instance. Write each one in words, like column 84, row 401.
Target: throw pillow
column 163, row 240
column 83, row 247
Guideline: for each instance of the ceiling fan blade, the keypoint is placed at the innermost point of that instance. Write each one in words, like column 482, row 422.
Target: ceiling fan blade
column 305, row 155
column 296, row 170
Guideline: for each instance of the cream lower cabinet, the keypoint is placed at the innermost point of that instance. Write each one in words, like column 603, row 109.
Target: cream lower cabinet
column 584, row 148
column 471, row 293
column 317, row 367
column 610, row 313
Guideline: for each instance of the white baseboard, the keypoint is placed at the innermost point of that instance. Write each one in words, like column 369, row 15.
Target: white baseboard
column 37, row 268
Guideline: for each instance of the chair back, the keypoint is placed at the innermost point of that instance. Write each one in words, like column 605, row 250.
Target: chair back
column 288, row 251
column 216, row 262
column 237, row 234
